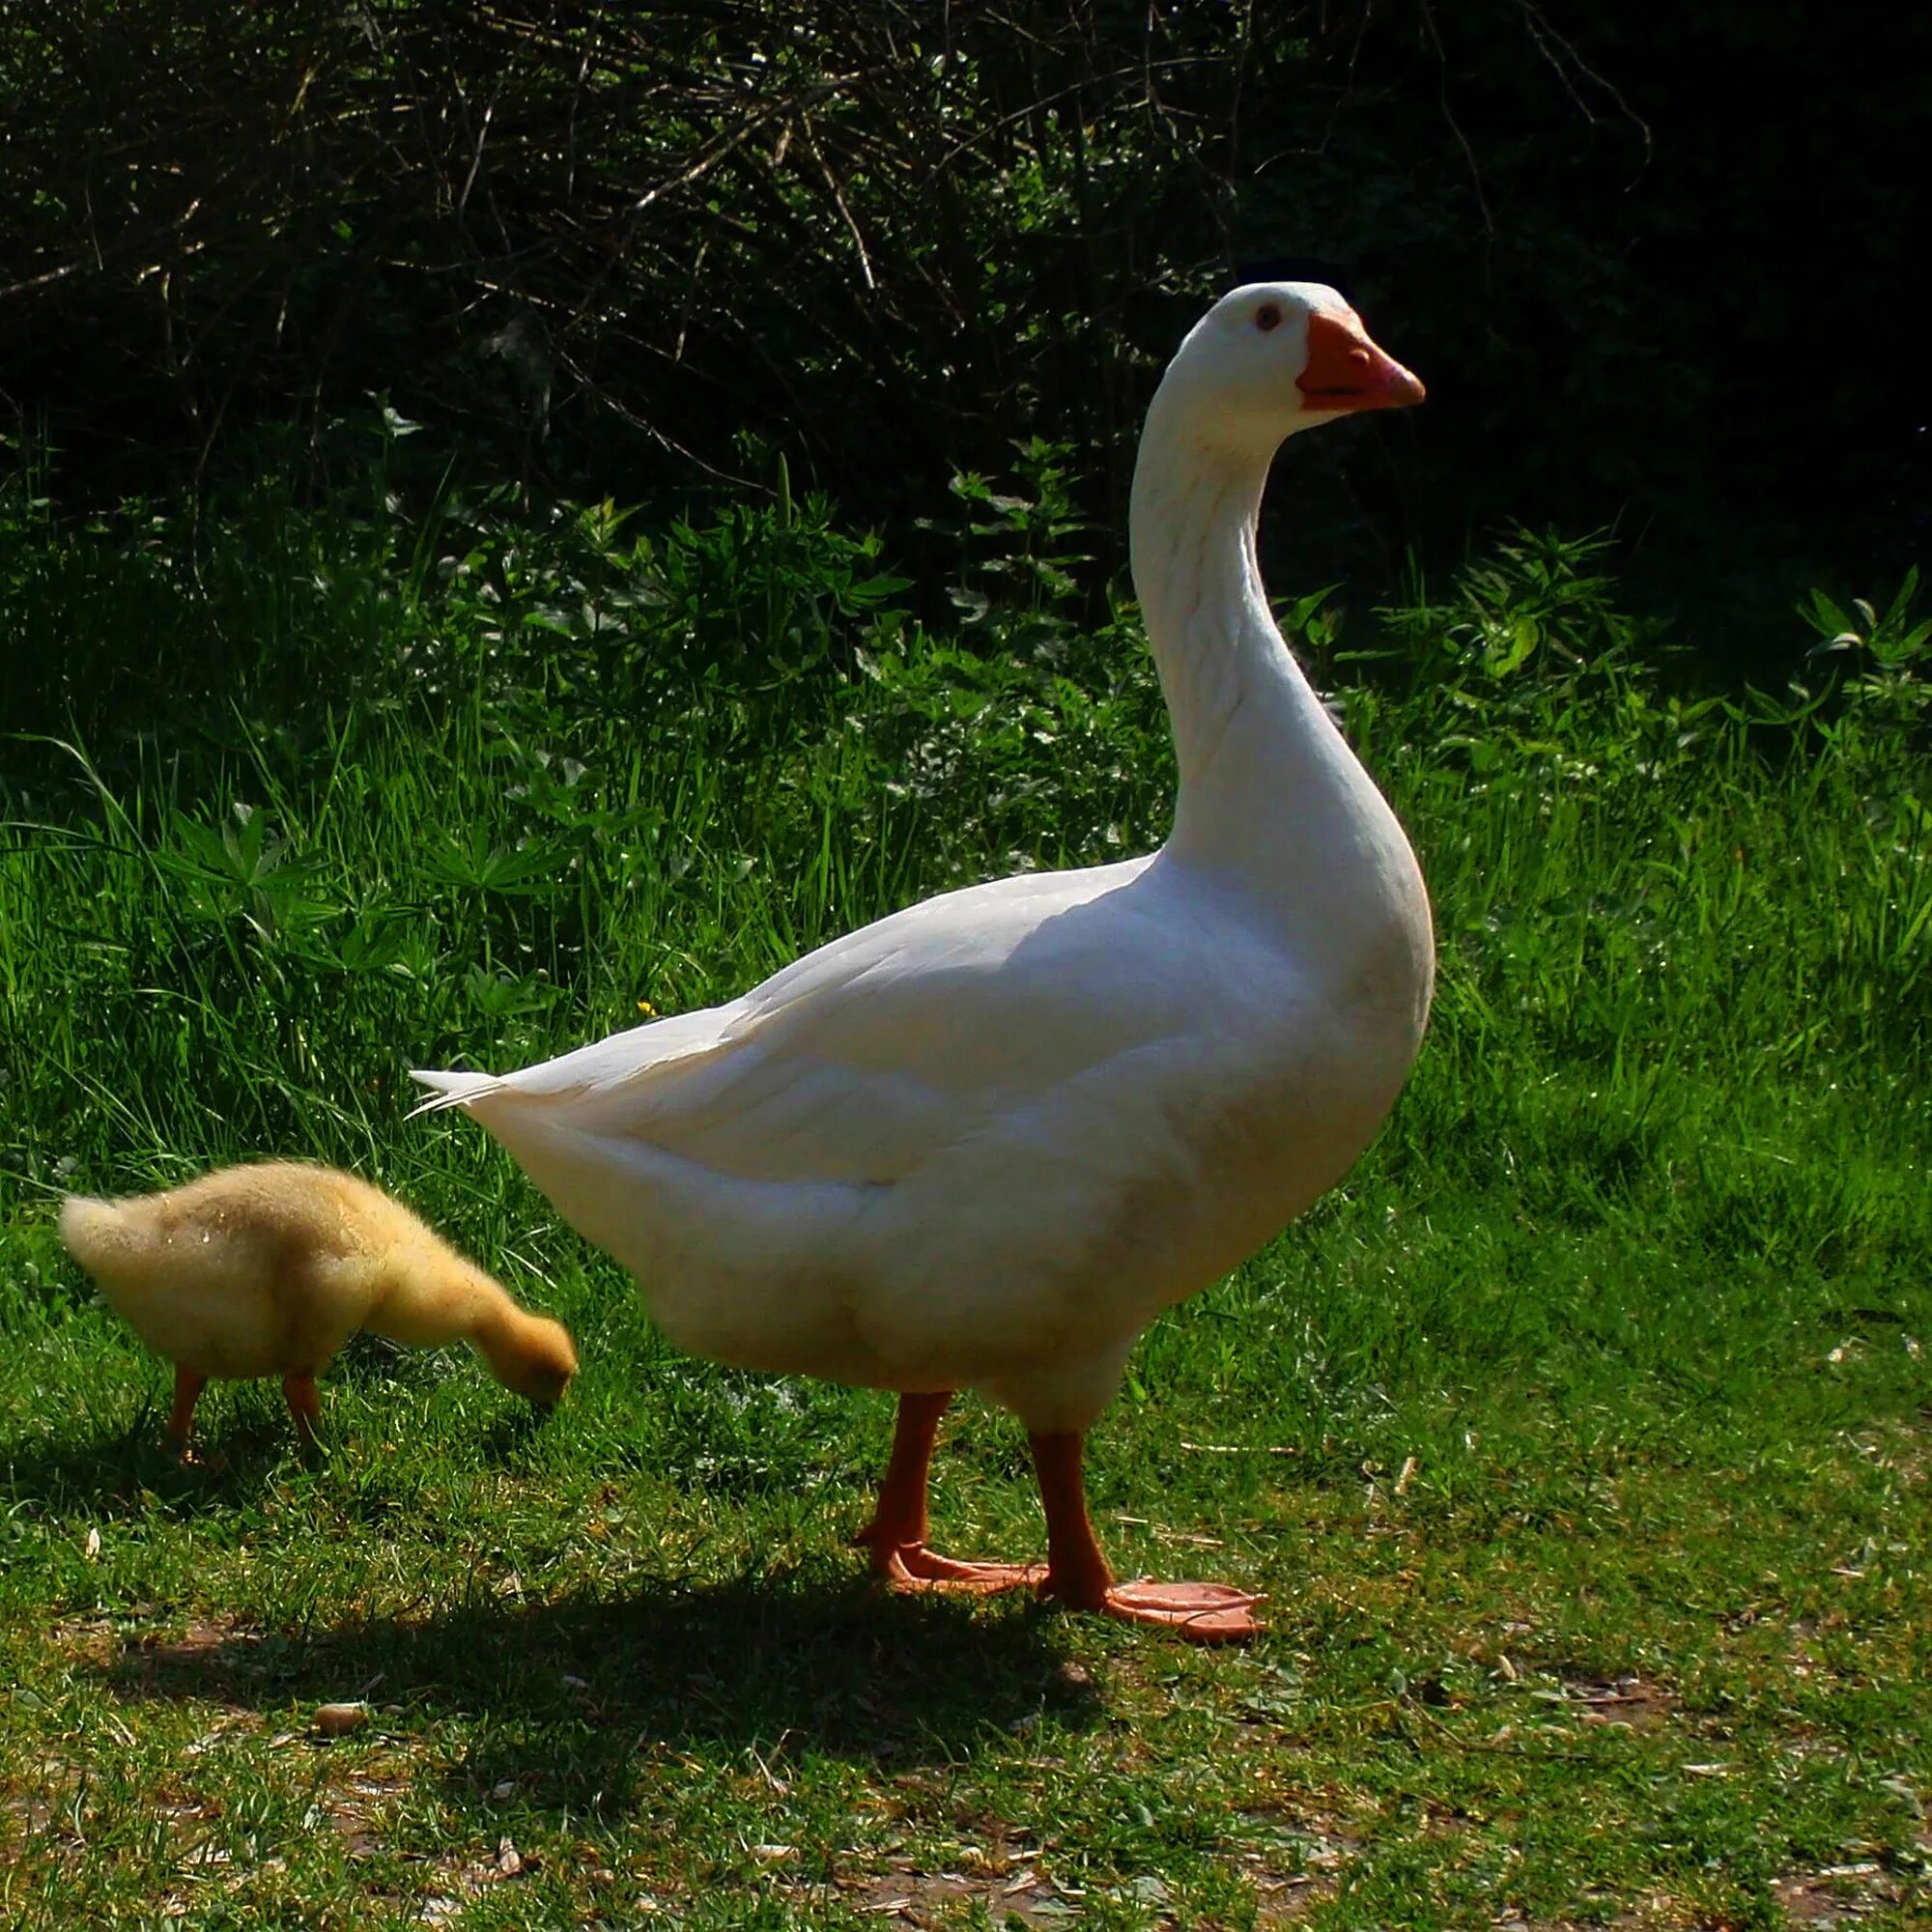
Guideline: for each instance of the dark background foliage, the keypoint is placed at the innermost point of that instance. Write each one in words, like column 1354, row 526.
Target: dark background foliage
column 1653, row 263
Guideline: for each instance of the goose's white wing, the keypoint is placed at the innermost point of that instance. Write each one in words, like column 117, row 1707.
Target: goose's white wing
column 856, row 1063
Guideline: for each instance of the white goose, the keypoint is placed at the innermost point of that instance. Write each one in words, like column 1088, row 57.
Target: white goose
column 982, row 1143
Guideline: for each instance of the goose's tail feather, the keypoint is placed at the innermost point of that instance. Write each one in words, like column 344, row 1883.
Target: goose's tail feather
column 452, row 1089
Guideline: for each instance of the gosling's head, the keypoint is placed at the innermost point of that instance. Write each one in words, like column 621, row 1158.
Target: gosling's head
column 534, row 1358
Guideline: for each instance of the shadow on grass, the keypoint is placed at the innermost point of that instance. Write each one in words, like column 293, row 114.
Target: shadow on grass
column 130, row 1469
column 566, row 1696
column 244, row 1444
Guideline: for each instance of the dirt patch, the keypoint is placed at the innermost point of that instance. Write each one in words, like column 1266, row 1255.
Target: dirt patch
column 22, row 1816
column 31, row 1814
column 359, row 1810
column 1837, row 1895
column 1627, row 1701
column 83, row 1640
column 215, row 1660
column 455, row 1883
column 1281, row 1901
column 905, row 1895
column 1299, row 1863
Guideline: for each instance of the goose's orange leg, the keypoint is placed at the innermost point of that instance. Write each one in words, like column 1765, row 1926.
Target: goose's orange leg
column 299, row 1391
column 898, row 1531
column 189, row 1385
column 1077, row 1572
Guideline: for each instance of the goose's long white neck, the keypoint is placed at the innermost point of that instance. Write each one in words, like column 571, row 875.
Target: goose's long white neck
column 1271, row 800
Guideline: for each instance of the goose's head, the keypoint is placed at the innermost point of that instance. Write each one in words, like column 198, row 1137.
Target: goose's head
column 1275, row 357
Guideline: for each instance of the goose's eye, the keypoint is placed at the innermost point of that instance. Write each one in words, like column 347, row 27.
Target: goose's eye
column 1267, row 317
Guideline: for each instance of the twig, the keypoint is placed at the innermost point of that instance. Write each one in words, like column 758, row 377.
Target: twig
column 1545, row 36
column 838, row 197
column 1449, row 115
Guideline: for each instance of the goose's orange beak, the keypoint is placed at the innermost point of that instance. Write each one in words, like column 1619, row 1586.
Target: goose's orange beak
column 1347, row 371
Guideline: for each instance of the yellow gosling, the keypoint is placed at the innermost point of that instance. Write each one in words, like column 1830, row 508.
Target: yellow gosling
column 269, row 1270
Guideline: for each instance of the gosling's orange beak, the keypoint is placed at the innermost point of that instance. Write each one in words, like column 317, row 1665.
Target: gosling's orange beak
column 1347, row 371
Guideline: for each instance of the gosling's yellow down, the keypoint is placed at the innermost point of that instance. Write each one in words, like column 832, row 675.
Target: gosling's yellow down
column 269, row 1270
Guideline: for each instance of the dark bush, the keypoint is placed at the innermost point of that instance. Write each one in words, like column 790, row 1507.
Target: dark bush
column 1653, row 269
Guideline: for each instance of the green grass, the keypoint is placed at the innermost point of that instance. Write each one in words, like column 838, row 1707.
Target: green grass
column 1580, row 1440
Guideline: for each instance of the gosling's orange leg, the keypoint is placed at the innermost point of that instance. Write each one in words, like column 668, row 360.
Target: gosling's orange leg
column 189, row 1385
column 299, row 1391
column 898, row 1531
column 1078, row 1574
